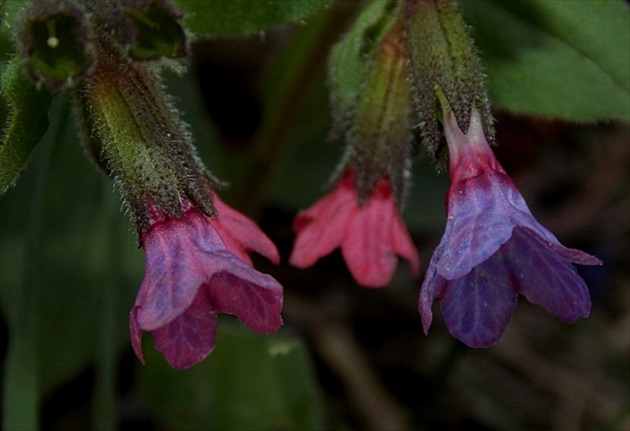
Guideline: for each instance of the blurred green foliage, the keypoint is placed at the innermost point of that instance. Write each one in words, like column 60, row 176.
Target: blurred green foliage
column 25, row 110
column 252, row 382
column 237, row 17
column 554, row 58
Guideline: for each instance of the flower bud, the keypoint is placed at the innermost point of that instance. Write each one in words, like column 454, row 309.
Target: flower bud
column 54, row 42
column 444, row 62
column 156, row 29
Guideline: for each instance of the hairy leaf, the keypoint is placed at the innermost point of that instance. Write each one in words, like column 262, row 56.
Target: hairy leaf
column 27, row 112
column 350, row 58
column 244, row 16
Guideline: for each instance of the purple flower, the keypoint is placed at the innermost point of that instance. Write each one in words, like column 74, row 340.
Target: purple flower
column 197, row 267
column 493, row 249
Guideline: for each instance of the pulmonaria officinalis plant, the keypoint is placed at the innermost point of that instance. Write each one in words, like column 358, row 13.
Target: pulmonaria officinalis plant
column 406, row 70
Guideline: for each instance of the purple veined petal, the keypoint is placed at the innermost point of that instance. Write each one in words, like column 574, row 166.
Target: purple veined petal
column 178, row 255
column 257, row 302
column 477, row 307
column 478, row 224
column 432, row 287
column 546, row 278
column 193, row 257
column 189, row 338
column 571, row 254
column 136, row 334
column 483, row 212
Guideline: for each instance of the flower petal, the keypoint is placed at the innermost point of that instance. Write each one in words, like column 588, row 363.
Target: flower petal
column 546, row 278
column 256, row 301
column 136, row 334
column 178, row 252
column 571, row 254
column 482, row 213
column 432, row 287
column 367, row 248
column 189, row 338
column 477, row 307
column 374, row 237
column 241, row 235
column 188, row 254
column 321, row 228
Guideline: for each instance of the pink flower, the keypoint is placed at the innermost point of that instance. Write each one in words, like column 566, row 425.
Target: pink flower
column 370, row 236
column 493, row 249
column 197, row 267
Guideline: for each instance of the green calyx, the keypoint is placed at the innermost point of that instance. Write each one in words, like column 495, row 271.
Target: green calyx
column 55, row 43
column 157, row 32
column 55, row 38
column 133, row 131
column 380, row 138
column 444, row 59
column 371, row 98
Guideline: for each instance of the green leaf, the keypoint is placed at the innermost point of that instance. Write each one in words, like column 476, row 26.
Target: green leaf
column 244, row 16
column 349, row 58
column 250, row 381
column 84, row 250
column 568, row 60
column 27, row 111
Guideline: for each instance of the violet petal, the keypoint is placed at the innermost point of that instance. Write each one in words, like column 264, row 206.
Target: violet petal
column 477, row 307
column 546, row 278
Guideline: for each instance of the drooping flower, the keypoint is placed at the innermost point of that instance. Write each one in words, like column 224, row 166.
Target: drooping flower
column 493, row 249
column 370, row 236
column 373, row 103
column 197, row 267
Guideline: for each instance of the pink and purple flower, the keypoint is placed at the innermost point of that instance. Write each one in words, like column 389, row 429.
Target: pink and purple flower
column 493, row 249
column 197, row 267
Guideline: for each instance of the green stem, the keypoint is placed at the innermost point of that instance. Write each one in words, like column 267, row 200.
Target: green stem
column 106, row 373
column 21, row 374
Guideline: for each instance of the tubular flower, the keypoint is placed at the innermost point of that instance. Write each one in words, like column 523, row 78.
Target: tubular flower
column 370, row 236
column 493, row 249
column 374, row 106
column 197, row 267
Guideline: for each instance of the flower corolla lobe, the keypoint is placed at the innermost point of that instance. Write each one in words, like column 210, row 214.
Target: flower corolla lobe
column 370, row 236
